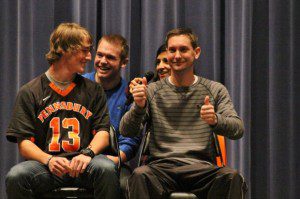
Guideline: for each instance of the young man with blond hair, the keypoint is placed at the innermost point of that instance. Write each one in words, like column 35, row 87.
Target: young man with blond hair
column 61, row 124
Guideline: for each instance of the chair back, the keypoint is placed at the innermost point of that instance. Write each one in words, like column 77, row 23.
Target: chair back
column 221, row 158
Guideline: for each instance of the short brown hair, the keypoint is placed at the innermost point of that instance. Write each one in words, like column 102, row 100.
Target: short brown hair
column 67, row 37
column 119, row 40
column 183, row 31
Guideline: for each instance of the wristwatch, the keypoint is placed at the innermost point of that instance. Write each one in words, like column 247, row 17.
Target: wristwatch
column 88, row 152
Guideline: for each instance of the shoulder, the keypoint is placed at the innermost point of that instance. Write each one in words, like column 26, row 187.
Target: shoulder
column 88, row 85
column 90, row 76
column 211, row 85
column 34, row 86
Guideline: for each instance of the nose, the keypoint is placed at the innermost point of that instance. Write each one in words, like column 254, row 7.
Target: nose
column 177, row 54
column 103, row 60
column 88, row 56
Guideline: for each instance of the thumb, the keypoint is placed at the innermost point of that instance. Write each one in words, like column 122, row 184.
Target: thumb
column 206, row 100
column 144, row 81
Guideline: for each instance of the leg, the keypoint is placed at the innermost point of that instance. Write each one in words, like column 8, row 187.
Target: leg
column 209, row 181
column 152, row 181
column 229, row 183
column 29, row 178
column 102, row 176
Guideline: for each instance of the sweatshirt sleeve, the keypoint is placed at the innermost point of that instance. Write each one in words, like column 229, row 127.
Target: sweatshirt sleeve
column 229, row 123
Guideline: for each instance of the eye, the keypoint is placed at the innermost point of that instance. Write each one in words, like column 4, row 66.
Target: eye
column 110, row 57
column 171, row 50
column 183, row 49
column 99, row 55
column 157, row 62
column 165, row 60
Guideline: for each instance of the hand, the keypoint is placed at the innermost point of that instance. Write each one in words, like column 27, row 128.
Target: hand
column 78, row 165
column 59, row 166
column 138, row 87
column 115, row 159
column 207, row 112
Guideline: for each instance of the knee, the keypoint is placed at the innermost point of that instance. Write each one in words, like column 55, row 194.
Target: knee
column 16, row 175
column 231, row 174
column 103, row 165
column 140, row 172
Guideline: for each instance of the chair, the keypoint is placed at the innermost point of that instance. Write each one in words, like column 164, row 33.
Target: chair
column 221, row 160
column 78, row 192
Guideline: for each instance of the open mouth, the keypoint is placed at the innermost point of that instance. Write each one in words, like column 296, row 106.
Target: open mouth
column 103, row 68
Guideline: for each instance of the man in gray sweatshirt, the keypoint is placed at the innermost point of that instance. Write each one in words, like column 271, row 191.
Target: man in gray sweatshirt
column 182, row 112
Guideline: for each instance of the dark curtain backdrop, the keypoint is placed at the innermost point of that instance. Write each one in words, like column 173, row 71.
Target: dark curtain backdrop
column 251, row 46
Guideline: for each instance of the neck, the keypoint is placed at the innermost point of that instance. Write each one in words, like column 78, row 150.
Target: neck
column 182, row 80
column 61, row 74
column 108, row 84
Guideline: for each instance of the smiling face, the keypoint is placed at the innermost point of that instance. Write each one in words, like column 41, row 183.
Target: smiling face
column 181, row 54
column 162, row 66
column 76, row 60
column 108, row 60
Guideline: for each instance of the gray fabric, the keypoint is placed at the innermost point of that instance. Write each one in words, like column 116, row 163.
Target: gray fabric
column 173, row 115
column 250, row 46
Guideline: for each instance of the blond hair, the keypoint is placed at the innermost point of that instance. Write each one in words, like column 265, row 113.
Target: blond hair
column 67, row 37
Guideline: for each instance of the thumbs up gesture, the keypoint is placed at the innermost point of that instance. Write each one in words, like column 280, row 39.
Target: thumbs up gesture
column 207, row 112
column 138, row 88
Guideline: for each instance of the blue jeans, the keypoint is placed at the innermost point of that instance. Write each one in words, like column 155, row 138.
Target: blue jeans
column 31, row 178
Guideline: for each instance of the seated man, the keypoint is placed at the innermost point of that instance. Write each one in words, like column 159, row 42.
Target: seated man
column 61, row 124
column 162, row 66
column 182, row 156
column 111, row 57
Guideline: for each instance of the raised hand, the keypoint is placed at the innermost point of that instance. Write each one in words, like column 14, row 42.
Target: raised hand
column 207, row 112
column 138, row 88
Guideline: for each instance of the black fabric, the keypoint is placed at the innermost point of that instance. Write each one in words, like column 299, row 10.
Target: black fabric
column 160, row 178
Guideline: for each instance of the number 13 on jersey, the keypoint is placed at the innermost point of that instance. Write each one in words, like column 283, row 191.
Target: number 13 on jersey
column 68, row 146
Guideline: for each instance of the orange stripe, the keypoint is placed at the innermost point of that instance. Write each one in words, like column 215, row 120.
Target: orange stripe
column 62, row 92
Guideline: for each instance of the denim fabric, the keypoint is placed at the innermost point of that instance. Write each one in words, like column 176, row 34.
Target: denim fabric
column 31, row 178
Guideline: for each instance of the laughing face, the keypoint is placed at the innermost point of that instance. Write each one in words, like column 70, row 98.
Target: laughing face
column 108, row 61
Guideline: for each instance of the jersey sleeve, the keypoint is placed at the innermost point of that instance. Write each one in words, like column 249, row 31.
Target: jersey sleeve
column 101, row 115
column 22, row 123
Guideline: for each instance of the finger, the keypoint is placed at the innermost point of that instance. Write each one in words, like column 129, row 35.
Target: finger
column 136, row 81
column 66, row 165
column 208, row 116
column 207, row 112
column 206, row 100
column 144, row 81
column 139, row 89
column 207, row 107
column 78, row 169
column 84, row 167
column 57, row 172
column 58, row 166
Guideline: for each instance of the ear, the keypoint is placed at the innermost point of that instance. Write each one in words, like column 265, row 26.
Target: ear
column 197, row 52
column 124, row 63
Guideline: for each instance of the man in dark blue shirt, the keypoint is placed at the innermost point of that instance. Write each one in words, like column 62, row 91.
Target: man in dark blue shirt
column 111, row 57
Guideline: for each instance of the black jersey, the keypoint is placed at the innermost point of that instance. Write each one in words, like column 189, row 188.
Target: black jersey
column 59, row 121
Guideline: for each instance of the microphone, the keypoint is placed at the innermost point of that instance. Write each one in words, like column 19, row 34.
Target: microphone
column 149, row 76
